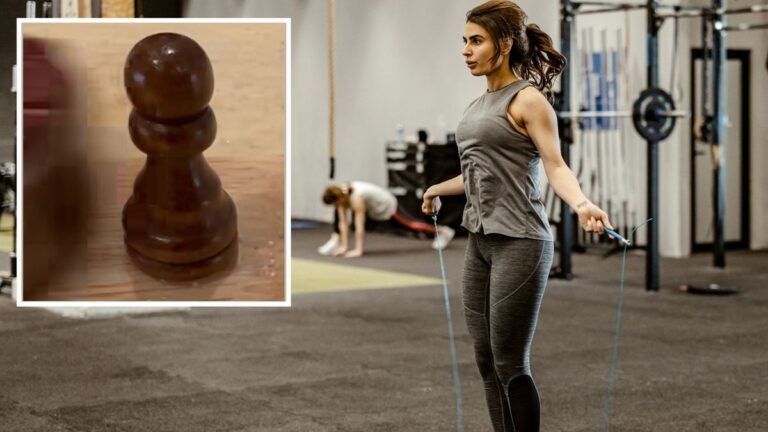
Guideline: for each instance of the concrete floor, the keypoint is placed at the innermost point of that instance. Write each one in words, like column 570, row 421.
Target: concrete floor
column 379, row 360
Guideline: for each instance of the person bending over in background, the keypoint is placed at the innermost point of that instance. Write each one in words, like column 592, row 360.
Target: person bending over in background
column 374, row 202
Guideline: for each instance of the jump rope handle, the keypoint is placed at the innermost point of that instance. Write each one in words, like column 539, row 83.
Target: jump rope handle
column 617, row 236
column 436, row 205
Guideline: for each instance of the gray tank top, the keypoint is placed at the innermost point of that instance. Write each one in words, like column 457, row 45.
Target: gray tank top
column 501, row 170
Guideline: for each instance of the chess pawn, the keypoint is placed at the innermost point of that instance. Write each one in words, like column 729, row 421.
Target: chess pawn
column 179, row 222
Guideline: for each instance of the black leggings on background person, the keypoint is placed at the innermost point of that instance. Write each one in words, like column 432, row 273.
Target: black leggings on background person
column 397, row 217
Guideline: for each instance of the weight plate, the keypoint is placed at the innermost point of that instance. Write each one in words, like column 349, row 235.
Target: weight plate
column 648, row 117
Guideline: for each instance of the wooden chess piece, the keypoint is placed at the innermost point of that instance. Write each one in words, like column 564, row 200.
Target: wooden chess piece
column 179, row 223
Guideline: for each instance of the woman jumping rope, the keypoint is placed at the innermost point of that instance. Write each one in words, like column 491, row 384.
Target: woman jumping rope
column 501, row 138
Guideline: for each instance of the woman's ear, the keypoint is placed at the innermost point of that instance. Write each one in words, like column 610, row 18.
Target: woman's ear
column 506, row 46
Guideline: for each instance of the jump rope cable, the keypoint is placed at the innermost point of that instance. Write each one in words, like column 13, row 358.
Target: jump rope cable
column 451, row 339
column 608, row 401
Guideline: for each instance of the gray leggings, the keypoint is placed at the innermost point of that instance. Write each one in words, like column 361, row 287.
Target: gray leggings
column 503, row 284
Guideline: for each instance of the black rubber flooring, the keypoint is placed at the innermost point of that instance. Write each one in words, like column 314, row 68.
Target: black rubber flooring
column 379, row 360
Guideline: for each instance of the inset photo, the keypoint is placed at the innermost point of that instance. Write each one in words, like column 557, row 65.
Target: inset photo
column 152, row 162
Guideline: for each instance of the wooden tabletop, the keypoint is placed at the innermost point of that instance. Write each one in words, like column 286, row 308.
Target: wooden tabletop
column 248, row 155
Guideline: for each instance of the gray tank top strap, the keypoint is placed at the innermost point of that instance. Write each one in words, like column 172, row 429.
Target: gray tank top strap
column 503, row 97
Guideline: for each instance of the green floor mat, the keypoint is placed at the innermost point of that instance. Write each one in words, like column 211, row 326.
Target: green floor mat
column 6, row 232
column 314, row 276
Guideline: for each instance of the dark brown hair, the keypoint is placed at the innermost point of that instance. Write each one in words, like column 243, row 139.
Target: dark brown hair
column 337, row 196
column 533, row 57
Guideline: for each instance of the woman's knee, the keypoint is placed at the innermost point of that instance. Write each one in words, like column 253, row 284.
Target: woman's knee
column 508, row 369
column 485, row 364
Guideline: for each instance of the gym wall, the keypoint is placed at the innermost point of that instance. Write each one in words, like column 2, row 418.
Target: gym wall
column 309, row 103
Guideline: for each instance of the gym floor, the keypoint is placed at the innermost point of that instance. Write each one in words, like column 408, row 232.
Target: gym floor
column 378, row 359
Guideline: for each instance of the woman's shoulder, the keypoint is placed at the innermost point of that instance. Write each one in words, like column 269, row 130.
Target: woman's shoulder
column 528, row 91
column 530, row 98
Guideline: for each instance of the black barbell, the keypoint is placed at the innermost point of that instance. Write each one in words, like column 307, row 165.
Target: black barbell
column 653, row 114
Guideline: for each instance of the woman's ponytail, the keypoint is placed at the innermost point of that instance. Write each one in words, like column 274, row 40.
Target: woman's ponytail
column 541, row 62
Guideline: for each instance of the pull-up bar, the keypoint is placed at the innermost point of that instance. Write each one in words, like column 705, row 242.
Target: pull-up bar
column 610, row 6
column 719, row 11
column 609, row 9
column 714, row 13
column 680, row 11
column 744, row 27
column 744, row 10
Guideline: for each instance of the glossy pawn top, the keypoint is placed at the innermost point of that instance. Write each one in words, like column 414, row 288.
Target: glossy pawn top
column 168, row 76
column 179, row 222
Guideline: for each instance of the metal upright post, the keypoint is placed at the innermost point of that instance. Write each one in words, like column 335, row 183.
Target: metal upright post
column 652, row 253
column 719, row 132
column 565, row 229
